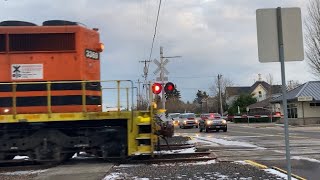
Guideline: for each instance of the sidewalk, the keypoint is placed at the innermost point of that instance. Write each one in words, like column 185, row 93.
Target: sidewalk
column 255, row 125
column 310, row 127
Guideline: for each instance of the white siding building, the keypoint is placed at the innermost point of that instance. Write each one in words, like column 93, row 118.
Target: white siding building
column 302, row 112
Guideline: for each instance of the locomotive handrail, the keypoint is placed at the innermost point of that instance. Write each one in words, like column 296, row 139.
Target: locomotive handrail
column 83, row 93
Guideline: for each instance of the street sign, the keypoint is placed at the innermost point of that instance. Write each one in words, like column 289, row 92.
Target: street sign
column 305, row 98
column 280, row 39
column 267, row 32
column 164, row 79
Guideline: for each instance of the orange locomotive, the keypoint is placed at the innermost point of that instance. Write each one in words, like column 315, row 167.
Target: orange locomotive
column 56, row 51
column 50, row 97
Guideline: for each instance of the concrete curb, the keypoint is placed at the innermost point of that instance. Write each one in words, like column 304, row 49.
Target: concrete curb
column 258, row 165
column 285, row 172
column 261, row 166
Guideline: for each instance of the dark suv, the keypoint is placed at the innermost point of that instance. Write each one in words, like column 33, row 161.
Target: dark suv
column 212, row 121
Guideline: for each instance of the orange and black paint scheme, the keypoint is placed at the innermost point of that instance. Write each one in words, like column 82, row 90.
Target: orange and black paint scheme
column 51, row 97
column 55, row 51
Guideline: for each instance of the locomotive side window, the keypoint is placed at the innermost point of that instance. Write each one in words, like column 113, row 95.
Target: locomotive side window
column 42, row 42
column 2, row 42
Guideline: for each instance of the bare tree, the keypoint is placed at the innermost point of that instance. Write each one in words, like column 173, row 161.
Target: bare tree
column 269, row 80
column 291, row 84
column 225, row 82
column 214, row 89
column 312, row 36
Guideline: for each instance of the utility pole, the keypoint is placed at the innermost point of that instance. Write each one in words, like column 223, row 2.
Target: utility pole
column 139, row 94
column 145, row 76
column 161, row 68
column 163, row 99
column 220, row 97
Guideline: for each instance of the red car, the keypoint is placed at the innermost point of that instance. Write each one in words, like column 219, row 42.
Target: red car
column 210, row 116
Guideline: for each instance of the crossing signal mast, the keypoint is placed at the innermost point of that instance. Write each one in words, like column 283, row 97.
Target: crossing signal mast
column 169, row 86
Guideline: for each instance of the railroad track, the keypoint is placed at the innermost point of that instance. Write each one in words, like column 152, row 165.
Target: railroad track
column 24, row 165
column 175, row 146
column 177, row 157
column 158, row 157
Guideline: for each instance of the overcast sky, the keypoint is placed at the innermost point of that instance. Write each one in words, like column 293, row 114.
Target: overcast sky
column 212, row 36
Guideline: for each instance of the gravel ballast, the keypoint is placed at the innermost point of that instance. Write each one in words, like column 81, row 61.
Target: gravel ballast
column 182, row 171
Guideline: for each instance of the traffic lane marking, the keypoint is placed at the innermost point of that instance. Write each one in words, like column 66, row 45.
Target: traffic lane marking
column 261, row 134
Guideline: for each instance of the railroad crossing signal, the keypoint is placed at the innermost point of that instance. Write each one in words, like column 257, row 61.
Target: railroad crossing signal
column 156, row 88
column 162, row 72
column 168, row 88
column 161, row 66
column 164, row 79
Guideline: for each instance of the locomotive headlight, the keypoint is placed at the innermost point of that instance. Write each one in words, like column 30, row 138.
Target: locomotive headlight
column 6, row 110
column 99, row 47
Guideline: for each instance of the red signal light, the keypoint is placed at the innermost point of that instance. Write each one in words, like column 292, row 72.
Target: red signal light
column 156, row 88
column 169, row 87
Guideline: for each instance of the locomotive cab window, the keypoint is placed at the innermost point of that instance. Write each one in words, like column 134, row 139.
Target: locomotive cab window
column 42, row 42
column 2, row 42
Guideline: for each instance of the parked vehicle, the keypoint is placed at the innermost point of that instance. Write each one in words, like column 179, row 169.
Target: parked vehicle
column 212, row 121
column 188, row 120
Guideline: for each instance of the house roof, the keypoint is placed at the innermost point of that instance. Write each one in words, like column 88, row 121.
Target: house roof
column 232, row 91
column 266, row 86
column 311, row 88
column 262, row 83
column 276, row 89
column 261, row 104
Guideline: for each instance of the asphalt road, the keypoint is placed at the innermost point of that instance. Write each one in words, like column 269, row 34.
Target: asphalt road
column 263, row 143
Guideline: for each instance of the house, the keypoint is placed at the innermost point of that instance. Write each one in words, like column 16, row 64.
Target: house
column 232, row 93
column 261, row 108
column 261, row 90
column 303, row 104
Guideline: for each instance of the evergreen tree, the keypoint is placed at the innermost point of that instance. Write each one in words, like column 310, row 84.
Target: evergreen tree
column 175, row 95
column 242, row 102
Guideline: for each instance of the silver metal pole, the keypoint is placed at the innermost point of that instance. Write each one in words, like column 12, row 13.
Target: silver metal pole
column 284, row 91
column 220, row 97
column 163, row 99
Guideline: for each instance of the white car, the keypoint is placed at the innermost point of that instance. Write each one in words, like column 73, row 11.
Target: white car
column 174, row 117
column 188, row 120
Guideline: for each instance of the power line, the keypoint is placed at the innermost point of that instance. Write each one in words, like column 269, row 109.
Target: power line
column 155, row 32
column 191, row 88
column 191, row 77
